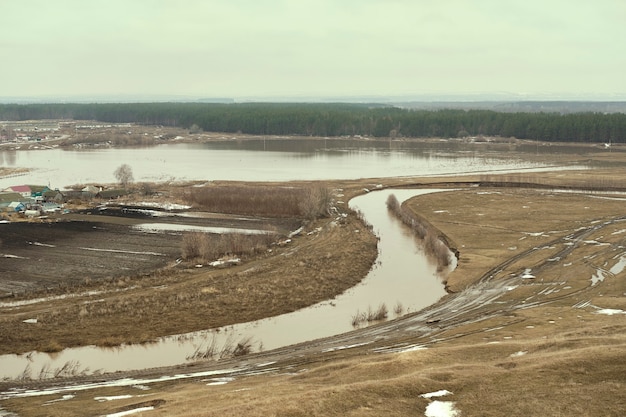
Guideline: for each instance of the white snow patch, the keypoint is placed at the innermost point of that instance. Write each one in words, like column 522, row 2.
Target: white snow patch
column 518, row 354
column 439, row 393
column 220, row 381
column 619, row 266
column 63, row 398
column 112, row 398
column 30, row 321
column 165, row 206
column 42, row 244
column 441, row 211
column 170, row 227
column 123, row 251
column 597, row 277
column 225, row 262
column 333, row 349
column 441, row 409
column 6, row 255
column 610, row 311
column 129, row 412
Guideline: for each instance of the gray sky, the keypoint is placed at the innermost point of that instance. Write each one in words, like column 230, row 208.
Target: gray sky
column 291, row 48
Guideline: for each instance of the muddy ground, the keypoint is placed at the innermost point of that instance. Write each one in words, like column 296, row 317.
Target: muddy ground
column 99, row 244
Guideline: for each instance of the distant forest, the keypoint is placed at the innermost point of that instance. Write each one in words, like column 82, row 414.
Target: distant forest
column 338, row 120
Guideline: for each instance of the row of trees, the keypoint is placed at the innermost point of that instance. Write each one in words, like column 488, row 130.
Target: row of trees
column 338, row 120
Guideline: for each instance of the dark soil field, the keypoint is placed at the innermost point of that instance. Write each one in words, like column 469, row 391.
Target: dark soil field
column 76, row 249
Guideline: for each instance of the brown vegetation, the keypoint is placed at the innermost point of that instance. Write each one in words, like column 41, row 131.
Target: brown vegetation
column 262, row 200
column 433, row 245
column 201, row 246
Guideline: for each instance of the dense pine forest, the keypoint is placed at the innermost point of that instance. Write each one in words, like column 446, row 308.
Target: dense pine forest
column 338, row 120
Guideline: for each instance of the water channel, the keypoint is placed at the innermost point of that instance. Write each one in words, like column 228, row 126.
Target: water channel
column 402, row 277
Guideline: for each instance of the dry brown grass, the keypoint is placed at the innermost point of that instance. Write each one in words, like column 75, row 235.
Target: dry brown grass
column 309, row 202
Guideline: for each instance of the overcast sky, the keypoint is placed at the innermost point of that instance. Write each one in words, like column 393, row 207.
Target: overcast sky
column 297, row 48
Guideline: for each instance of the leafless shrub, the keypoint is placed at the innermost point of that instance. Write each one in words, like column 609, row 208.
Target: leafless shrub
column 316, row 203
column 69, row 368
column 26, row 374
column 212, row 350
column 392, row 203
column 307, row 202
column 244, row 347
column 370, row 315
column 124, row 175
column 378, row 314
column 433, row 245
column 398, row 309
column 193, row 245
column 208, row 247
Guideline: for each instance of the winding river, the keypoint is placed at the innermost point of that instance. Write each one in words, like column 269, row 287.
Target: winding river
column 402, row 277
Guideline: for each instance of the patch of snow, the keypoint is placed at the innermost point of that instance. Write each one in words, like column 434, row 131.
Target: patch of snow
column 619, row 266
column 441, row 409
column 518, row 354
column 225, row 262
column 170, row 227
column 42, row 244
column 597, row 277
column 333, row 349
column 63, row 398
column 113, row 398
column 527, row 275
column 220, row 381
column 6, row 255
column 30, row 321
column 439, row 393
column 165, row 206
column 296, row 232
column 441, row 211
column 129, row 412
column 123, row 251
column 610, row 311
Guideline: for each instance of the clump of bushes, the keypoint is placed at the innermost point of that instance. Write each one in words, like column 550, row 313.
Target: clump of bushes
column 260, row 200
column 208, row 247
column 370, row 315
column 433, row 245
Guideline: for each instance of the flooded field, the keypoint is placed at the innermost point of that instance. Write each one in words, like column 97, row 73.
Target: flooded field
column 267, row 160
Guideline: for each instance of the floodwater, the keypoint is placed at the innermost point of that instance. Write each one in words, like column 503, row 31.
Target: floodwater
column 403, row 276
column 263, row 160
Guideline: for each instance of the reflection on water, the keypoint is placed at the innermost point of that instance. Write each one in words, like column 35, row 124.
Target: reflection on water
column 263, row 160
column 402, row 276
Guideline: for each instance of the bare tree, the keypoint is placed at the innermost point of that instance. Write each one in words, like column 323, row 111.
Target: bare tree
column 124, row 175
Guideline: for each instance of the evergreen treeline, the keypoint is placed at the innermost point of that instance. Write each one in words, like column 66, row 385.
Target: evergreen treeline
column 338, row 120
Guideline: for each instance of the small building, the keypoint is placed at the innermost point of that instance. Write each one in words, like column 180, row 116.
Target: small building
column 16, row 206
column 23, row 190
column 7, row 198
column 55, row 196
column 112, row 194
